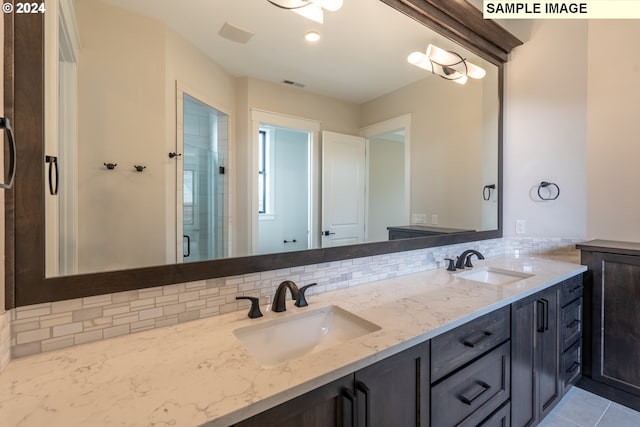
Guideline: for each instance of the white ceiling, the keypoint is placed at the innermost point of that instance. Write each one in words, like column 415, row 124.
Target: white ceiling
column 361, row 56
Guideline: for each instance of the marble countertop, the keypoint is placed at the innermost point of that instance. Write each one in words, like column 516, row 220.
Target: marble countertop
column 198, row 372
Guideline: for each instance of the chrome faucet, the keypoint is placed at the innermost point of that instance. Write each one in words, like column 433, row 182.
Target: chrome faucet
column 297, row 294
column 464, row 260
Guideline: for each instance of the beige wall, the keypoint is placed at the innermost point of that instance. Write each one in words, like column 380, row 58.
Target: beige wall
column 613, row 126
column 446, row 141
column 545, row 127
column 121, row 67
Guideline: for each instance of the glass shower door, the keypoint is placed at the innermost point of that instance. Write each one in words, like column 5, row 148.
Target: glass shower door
column 204, row 180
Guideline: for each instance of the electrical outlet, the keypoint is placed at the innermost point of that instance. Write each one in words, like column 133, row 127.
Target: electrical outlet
column 521, row 226
column 419, row 218
column 434, row 219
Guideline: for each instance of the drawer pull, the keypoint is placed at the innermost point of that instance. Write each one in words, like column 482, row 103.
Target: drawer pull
column 571, row 369
column 472, row 342
column 575, row 289
column 348, row 395
column 362, row 387
column 573, row 324
column 543, row 315
column 479, row 388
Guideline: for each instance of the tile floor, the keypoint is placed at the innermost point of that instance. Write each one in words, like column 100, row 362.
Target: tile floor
column 579, row 408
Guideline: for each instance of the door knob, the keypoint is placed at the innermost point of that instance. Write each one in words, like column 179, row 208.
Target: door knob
column 327, row 233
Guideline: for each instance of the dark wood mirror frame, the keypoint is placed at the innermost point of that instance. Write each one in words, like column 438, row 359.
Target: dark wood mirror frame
column 25, row 281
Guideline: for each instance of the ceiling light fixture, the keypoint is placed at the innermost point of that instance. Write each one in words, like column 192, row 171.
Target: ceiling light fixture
column 446, row 64
column 311, row 9
column 312, row 36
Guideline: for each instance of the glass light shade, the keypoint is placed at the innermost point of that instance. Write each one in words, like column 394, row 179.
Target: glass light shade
column 419, row 59
column 330, row 5
column 443, row 57
column 313, row 12
column 474, row 71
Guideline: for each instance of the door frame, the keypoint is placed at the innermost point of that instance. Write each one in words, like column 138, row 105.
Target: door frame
column 390, row 125
column 176, row 221
column 311, row 126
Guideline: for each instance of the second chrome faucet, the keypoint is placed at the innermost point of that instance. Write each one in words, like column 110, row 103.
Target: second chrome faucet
column 297, row 294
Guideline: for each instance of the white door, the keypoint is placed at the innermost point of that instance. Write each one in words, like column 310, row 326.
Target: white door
column 343, row 189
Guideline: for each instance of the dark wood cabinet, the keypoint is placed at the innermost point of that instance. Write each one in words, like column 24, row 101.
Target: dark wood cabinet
column 453, row 349
column 535, row 357
column 500, row 418
column 612, row 306
column 331, row 405
column 411, row 231
column 571, row 327
column 473, row 393
column 394, row 391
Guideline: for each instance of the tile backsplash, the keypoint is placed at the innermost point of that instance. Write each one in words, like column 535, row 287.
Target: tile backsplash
column 49, row 326
column 5, row 339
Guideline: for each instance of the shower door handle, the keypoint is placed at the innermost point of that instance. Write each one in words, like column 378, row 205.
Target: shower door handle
column 53, row 163
column 11, row 173
column 188, row 246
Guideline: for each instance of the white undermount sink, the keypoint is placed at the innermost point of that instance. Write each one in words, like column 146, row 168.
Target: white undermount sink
column 493, row 275
column 279, row 340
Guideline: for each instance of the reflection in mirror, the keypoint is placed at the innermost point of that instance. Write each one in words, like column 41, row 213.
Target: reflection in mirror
column 246, row 109
column 205, row 140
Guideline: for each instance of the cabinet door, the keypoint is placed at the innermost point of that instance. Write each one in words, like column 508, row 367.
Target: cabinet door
column 548, row 350
column 535, row 356
column 616, row 336
column 523, row 388
column 395, row 391
column 332, row 405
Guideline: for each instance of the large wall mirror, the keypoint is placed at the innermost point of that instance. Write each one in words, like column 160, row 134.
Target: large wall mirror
column 176, row 143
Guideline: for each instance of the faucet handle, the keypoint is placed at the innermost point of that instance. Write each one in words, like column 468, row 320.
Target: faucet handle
column 452, row 266
column 254, row 311
column 301, row 301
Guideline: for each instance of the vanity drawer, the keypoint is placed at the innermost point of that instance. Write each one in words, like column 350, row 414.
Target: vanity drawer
column 473, row 393
column 571, row 323
column 571, row 365
column 500, row 418
column 464, row 343
column 572, row 288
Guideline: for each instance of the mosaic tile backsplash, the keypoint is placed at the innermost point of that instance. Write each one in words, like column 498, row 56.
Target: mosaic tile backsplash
column 49, row 326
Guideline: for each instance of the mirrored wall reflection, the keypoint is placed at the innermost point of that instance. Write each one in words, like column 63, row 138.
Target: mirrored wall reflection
column 146, row 79
column 284, row 220
column 205, row 139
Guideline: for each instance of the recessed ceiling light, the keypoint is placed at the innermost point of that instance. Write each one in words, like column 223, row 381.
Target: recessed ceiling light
column 312, row 36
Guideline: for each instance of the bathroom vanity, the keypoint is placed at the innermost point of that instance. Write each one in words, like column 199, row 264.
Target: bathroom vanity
column 444, row 351
column 612, row 341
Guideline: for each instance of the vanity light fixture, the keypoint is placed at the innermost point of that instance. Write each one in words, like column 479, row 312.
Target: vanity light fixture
column 446, row 64
column 310, row 9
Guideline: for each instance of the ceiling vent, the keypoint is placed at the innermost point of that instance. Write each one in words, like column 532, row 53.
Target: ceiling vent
column 235, row 34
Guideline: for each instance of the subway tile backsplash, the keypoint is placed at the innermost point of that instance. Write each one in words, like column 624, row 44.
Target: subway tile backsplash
column 49, row 326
